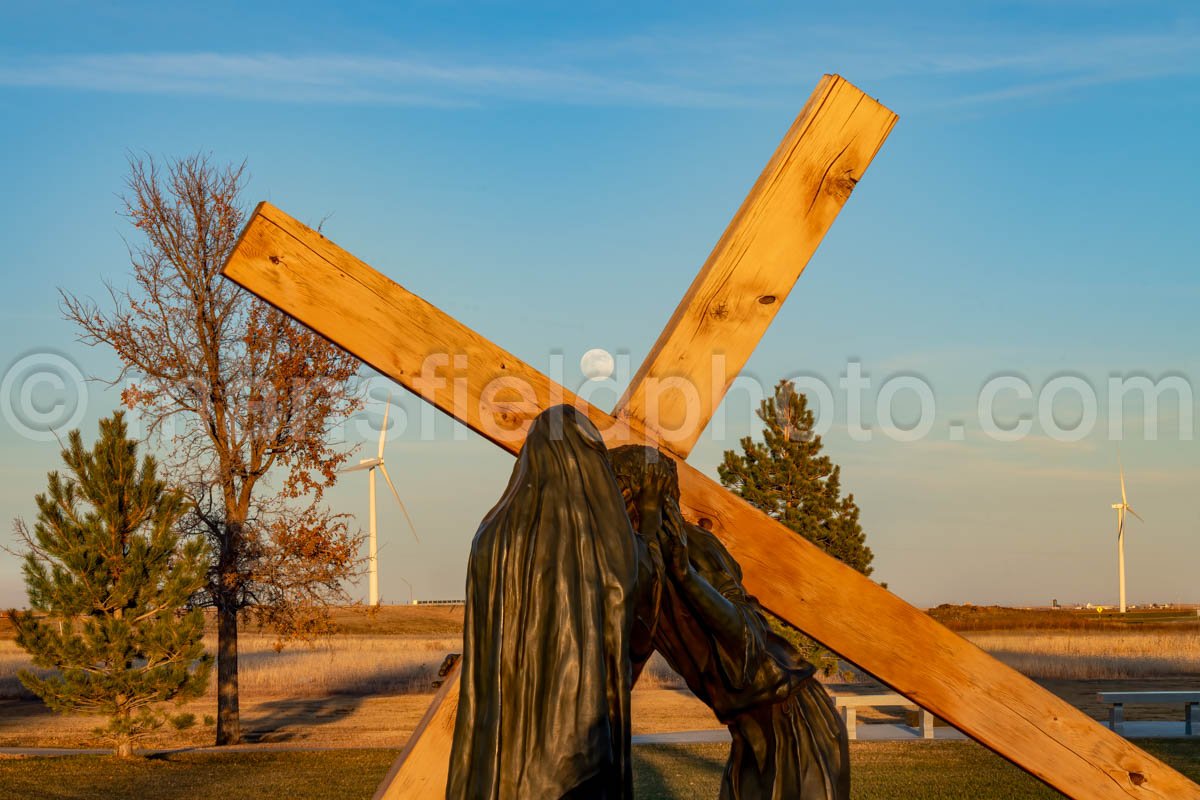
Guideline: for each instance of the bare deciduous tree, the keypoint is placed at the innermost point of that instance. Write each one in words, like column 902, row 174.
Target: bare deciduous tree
column 243, row 396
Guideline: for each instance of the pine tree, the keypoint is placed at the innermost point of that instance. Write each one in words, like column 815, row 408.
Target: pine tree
column 105, row 566
column 788, row 477
column 256, row 396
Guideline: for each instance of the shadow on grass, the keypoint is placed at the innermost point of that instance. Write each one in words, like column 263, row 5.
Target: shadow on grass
column 663, row 772
column 21, row 709
column 285, row 720
column 290, row 671
column 334, row 775
column 13, row 689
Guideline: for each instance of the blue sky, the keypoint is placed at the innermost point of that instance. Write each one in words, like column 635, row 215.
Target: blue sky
column 553, row 176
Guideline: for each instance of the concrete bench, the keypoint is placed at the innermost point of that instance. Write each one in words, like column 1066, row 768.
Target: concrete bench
column 850, row 703
column 1116, row 714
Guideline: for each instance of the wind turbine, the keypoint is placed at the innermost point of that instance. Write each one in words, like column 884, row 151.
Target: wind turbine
column 1121, row 508
column 371, row 464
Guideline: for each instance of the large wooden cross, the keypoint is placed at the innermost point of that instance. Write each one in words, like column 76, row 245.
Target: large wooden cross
column 720, row 320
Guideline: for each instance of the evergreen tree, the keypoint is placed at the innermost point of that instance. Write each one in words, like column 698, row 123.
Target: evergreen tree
column 788, row 477
column 256, row 395
column 104, row 563
column 792, row 481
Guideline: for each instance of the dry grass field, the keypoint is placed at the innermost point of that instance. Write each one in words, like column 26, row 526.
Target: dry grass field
column 998, row 618
column 1095, row 655
column 369, row 684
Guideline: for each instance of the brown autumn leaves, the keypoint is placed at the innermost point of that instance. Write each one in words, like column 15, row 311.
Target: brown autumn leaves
column 240, row 400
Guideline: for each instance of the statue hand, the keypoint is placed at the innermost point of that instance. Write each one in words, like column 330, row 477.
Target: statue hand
column 673, row 541
column 652, row 493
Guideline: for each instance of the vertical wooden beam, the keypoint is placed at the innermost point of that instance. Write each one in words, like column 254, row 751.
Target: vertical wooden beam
column 753, row 267
column 324, row 287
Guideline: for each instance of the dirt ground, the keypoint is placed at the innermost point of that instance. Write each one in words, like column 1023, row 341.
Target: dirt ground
column 341, row 720
column 377, row 717
column 387, row 720
column 335, row 721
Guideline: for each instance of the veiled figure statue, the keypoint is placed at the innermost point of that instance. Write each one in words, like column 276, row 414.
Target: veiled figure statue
column 788, row 740
column 582, row 569
column 544, row 700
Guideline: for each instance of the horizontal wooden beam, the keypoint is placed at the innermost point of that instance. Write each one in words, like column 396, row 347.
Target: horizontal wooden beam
column 443, row 361
column 301, row 272
column 754, row 265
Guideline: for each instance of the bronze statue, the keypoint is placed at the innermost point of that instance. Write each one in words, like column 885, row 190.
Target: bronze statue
column 584, row 567
column 544, row 705
column 788, row 740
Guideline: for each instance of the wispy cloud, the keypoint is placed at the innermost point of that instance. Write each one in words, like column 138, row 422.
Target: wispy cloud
column 948, row 66
column 347, row 79
column 702, row 69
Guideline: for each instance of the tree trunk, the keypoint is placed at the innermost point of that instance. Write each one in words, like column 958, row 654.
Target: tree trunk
column 125, row 747
column 229, row 727
column 124, row 740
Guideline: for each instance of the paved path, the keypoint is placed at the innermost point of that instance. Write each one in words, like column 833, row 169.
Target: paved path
column 873, row 732
column 877, row 732
column 888, row 732
column 235, row 748
column 1154, row 730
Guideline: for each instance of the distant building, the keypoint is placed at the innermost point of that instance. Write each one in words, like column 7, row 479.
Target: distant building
column 439, row 602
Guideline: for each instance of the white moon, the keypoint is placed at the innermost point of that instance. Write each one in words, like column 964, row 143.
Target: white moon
column 596, row 364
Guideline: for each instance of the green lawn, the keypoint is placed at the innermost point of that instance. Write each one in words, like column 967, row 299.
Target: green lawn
column 326, row 775
column 882, row 771
column 879, row 771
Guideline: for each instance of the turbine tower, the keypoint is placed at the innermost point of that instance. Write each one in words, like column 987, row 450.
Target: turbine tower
column 371, row 464
column 1121, row 508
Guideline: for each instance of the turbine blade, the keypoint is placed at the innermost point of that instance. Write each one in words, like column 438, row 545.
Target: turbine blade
column 1139, row 516
column 359, row 467
column 388, row 478
column 383, row 428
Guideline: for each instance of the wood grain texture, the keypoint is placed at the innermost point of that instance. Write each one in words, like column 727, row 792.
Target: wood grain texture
column 421, row 768
column 756, row 262
column 432, row 355
column 925, row 661
column 324, row 287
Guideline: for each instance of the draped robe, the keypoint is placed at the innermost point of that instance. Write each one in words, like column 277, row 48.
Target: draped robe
column 789, row 743
column 544, row 705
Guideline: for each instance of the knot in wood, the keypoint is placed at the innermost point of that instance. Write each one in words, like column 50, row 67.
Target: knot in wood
column 842, row 185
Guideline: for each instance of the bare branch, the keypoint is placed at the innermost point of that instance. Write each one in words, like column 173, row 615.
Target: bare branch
column 242, row 396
